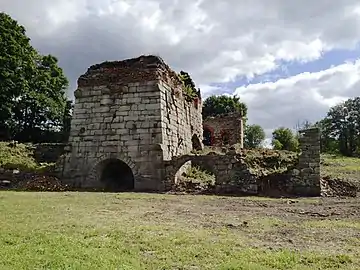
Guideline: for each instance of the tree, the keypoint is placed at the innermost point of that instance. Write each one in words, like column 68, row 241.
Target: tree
column 328, row 143
column 16, row 68
column 32, row 86
column 254, row 136
column 340, row 129
column 284, row 139
column 216, row 105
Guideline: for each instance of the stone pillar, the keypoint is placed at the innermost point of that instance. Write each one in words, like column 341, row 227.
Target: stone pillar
column 306, row 179
column 241, row 133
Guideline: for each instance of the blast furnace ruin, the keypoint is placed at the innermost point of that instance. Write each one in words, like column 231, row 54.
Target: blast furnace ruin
column 129, row 117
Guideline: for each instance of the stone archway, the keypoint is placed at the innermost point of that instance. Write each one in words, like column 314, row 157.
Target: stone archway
column 111, row 166
column 179, row 165
column 115, row 175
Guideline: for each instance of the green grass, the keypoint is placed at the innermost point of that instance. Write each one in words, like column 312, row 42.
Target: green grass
column 143, row 231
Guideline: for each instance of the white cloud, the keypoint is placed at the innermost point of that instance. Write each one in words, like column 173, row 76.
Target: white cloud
column 215, row 41
column 306, row 96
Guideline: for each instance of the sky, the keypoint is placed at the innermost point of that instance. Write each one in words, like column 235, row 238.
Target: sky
column 289, row 61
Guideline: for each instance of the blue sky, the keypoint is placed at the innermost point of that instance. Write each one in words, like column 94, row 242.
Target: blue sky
column 287, row 69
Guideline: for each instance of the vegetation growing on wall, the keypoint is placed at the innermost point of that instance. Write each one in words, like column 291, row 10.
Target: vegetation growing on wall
column 267, row 161
column 196, row 179
column 258, row 163
column 190, row 90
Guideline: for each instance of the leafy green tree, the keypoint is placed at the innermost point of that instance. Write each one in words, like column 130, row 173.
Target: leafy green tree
column 254, row 136
column 328, row 143
column 32, row 86
column 284, row 139
column 340, row 129
column 16, row 68
column 216, row 105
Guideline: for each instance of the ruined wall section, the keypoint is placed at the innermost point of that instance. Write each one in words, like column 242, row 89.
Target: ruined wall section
column 225, row 129
column 305, row 178
column 261, row 171
column 117, row 114
column 181, row 119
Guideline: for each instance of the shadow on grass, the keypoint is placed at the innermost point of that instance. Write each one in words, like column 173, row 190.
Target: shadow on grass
column 173, row 193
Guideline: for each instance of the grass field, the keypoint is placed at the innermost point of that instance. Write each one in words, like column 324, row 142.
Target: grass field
column 153, row 231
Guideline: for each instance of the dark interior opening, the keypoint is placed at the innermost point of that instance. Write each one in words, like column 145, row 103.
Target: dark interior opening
column 207, row 137
column 225, row 138
column 117, row 176
column 196, row 144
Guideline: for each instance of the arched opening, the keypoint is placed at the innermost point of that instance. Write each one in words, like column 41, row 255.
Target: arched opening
column 195, row 177
column 208, row 137
column 116, row 175
column 196, row 144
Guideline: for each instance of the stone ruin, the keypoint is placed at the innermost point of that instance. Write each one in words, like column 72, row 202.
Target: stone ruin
column 133, row 128
column 234, row 175
column 222, row 130
column 129, row 117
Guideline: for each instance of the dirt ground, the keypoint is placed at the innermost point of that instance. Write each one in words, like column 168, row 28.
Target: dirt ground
column 331, row 224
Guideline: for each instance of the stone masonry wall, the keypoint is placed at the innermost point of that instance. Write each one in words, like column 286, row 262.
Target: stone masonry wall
column 306, row 177
column 128, row 110
column 226, row 129
column 180, row 121
column 234, row 175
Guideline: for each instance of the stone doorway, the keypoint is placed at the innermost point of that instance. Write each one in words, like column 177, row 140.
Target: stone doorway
column 116, row 175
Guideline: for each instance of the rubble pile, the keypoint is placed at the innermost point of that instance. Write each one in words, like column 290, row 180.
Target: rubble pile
column 43, row 183
column 335, row 187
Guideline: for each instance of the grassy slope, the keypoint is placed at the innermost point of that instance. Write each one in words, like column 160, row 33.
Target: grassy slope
column 16, row 157
column 341, row 167
column 144, row 231
column 19, row 157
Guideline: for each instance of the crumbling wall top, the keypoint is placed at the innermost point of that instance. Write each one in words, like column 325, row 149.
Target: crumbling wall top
column 230, row 115
column 143, row 62
column 144, row 68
